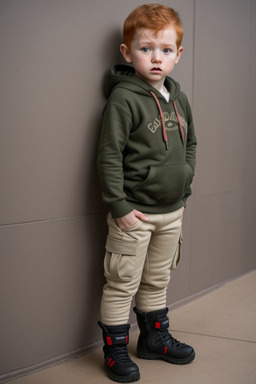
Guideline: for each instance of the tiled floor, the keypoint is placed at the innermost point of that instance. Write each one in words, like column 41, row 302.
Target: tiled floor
column 221, row 326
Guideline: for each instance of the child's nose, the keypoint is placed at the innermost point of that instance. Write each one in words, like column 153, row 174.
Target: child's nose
column 156, row 56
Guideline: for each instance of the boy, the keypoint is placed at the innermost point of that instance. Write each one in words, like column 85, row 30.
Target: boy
column 146, row 163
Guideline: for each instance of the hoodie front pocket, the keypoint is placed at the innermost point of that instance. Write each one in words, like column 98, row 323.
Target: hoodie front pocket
column 165, row 183
column 119, row 259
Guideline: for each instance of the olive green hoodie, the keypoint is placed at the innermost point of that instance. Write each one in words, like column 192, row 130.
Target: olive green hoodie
column 147, row 149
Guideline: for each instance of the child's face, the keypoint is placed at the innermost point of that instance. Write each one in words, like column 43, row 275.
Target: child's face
column 153, row 57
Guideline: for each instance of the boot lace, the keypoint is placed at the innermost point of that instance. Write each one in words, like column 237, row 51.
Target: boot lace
column 120, row 354
column 169, row 340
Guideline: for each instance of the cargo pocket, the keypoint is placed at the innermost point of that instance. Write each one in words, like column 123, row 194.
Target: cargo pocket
column 176, row 258
column 119, row 259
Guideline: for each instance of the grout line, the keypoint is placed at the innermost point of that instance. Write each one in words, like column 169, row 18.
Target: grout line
column 215, row 337
column 49, row 220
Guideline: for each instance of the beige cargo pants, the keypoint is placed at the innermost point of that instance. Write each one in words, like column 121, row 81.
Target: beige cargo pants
column 138, row 261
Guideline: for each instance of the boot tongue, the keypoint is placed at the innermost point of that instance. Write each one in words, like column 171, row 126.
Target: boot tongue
column 117, row 339
column 162, row 321
column 164, row 324
column 116, row 334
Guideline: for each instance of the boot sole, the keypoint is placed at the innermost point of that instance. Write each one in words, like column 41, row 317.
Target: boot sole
column 123, row 379
column 169, row 359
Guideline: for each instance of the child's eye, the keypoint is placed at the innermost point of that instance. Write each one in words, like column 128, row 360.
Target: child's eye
column 145, row 49
column 167, row 50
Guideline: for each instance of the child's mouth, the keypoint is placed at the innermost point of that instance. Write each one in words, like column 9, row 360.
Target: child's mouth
column 156, row 69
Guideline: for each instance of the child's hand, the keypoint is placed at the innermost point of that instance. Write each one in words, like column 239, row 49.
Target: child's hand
column 130, row 219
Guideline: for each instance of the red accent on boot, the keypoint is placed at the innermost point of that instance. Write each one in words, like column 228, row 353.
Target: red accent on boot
column 109, row 361
column 109, row 341
column 165, row 350
column 157, row 325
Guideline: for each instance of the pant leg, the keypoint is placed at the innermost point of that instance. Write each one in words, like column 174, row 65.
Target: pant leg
column 162, row 256
column 125, row 255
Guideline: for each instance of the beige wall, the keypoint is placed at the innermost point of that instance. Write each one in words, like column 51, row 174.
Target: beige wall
column 52, row 222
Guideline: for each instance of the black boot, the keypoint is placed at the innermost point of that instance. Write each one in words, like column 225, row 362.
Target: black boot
column 118, row 363
column 155, row 342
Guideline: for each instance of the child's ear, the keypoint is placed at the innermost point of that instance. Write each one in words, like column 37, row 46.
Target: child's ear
column 180, row 50
column 126, row 53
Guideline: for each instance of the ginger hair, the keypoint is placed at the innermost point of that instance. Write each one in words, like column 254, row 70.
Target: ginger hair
column 155, row 17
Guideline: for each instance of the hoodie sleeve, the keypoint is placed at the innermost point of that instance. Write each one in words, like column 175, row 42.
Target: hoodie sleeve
column 114, row 135
column 190, row 147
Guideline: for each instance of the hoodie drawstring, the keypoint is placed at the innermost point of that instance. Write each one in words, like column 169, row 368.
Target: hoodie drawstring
column 178, row 117
column 163, row 122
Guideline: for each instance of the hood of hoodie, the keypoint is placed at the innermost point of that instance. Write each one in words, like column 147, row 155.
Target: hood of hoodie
column 123, row 76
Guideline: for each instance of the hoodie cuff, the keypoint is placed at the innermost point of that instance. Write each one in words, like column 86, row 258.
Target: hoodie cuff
column 120, row 209
column 185, row 197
